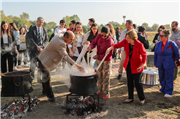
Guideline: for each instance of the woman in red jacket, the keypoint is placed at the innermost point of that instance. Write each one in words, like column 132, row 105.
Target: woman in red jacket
column 133, row 64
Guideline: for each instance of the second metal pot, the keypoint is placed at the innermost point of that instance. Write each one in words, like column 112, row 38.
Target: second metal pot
column 150, row 77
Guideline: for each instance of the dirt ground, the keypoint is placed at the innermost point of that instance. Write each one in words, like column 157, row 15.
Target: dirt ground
column 156, row 106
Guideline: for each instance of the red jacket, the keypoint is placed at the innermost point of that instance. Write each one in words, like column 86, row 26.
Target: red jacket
column 139, row 55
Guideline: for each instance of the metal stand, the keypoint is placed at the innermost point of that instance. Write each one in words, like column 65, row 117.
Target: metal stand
column 71, row 94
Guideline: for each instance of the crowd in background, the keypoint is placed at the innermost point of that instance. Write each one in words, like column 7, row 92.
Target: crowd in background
column 130, row 44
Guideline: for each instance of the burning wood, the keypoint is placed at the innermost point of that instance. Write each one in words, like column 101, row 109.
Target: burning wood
column 18, row 107
column 80, row 106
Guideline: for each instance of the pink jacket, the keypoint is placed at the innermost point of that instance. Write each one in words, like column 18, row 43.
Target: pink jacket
column 102, row 46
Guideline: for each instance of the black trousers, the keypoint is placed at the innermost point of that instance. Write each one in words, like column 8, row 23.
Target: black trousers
column 47, row 89
column 4, row 59
column 136, row 78
column 15, row 59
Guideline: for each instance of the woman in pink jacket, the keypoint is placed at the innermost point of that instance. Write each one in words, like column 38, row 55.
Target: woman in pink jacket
column 103, row 41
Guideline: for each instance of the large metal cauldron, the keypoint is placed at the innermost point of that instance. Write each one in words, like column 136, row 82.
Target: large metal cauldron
column 83, row 85
column 150, row 77
column 16, row 83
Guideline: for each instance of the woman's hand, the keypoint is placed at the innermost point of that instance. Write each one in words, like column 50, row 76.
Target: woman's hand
column 23, row 41
column 140, row 68
column 109, row 49
column 89, row 49
column 96, row 57
column 156, row 41
column 70, row 53
column 86, row 42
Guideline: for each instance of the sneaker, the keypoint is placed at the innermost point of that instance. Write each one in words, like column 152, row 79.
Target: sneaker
column 19, row 66
column 106, row 96
column 15, row 68
column 167, row 95
column 100, row 93
column 119, row 77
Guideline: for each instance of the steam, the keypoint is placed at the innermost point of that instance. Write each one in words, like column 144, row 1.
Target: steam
column 64, row 75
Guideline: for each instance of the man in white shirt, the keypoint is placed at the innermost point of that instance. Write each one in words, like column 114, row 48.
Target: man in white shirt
column 129, row 26
column 60, row 29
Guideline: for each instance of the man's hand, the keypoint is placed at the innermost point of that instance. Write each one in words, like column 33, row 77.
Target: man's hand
column 39, row 48
column 89, row 49
column 16, row 51
column 23, row 41
column 146, row 35
column 80, row 68
column 155, row 66
column 70, row 53
column 96, row 57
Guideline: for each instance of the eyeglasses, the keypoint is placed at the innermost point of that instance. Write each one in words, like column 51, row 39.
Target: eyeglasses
column 161, row 35
column 104, row 36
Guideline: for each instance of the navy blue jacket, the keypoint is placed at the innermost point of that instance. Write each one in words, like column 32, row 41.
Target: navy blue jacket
column 166, row 57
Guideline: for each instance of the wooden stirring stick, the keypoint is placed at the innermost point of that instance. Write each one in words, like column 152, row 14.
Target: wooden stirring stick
column 88, row 59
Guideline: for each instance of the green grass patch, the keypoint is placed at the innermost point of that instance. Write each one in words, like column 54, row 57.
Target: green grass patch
column 166, row 111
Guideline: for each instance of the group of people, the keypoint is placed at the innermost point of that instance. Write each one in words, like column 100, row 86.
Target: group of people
column 13, row 46
column 67, row 44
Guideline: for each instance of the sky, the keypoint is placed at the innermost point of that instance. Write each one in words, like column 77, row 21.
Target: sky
column 161, row 12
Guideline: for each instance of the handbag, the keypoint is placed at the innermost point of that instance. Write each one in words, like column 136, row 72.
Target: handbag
column 178, row 63
column 22, row 46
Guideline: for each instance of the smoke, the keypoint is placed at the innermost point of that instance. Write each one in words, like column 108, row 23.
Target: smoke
column 64, row 75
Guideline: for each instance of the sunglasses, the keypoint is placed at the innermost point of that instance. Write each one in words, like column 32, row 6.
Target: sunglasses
column 161, row 35
column 104, row 36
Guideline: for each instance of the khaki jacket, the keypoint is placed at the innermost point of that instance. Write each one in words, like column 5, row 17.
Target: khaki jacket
column 75, row 40
column 55, row 51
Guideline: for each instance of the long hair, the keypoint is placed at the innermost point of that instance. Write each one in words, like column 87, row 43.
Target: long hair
column 14, row 26
column 20, row 31
column 91, row 36
column 2, row 30
column 78, row 23
column 112, row 31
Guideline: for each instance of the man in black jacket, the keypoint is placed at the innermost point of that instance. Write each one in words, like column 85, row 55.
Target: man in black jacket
column 141, row 38
column 38, row 39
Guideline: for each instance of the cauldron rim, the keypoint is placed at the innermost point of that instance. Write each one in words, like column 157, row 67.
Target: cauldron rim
column 84, row 76
column 7, row 74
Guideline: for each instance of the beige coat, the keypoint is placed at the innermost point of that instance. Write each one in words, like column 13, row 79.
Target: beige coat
column 75, row 40
column 55, row 51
